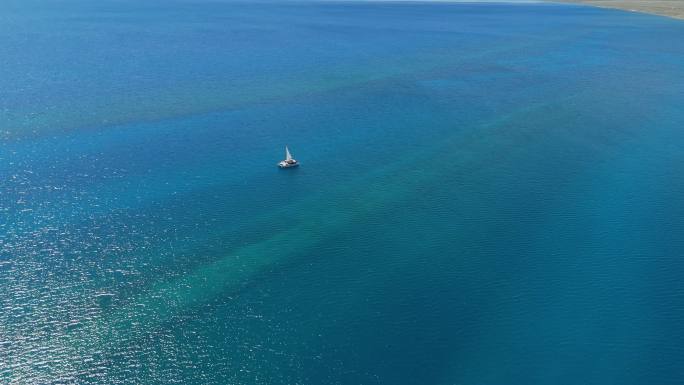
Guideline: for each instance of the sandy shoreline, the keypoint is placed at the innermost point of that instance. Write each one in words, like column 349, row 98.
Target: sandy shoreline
column 670, row 8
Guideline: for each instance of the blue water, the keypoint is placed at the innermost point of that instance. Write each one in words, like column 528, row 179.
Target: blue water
column 489, row 193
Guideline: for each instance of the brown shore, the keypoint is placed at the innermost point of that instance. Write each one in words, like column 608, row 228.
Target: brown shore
column 670, row 8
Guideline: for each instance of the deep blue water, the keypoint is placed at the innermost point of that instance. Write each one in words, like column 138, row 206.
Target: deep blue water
column 489, row 194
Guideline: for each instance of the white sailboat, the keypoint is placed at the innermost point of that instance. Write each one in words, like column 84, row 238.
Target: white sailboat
column 289, row 160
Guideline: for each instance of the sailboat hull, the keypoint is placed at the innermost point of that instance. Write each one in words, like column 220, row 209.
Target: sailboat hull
column 284, row 164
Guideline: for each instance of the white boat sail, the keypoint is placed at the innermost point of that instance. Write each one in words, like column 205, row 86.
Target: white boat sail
column 289, row 160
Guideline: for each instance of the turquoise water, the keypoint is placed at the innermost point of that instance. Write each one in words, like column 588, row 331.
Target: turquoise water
column 489, row 194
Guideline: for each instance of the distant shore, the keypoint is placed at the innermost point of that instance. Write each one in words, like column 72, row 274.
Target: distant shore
column 669, row 8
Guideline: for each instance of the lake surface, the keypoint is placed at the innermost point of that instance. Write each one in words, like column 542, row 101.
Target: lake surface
column 488, row 194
